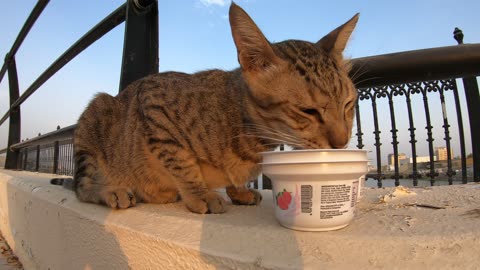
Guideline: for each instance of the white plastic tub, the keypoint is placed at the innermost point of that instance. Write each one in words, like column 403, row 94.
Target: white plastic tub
column 315, row 190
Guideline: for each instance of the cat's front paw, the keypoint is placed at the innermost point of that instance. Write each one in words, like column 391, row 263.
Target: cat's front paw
column 243, row 195
column 213, row 204
column 119, row 198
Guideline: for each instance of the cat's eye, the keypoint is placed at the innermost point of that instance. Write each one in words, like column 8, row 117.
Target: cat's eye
column 350, row 106
column 310, row 111
column 313, row 112
column 349, row 110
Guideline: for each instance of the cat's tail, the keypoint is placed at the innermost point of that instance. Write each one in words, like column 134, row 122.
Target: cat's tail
column 84, row 181
column 67, row 183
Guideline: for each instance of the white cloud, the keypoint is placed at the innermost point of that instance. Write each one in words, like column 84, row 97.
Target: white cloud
column 213, row 2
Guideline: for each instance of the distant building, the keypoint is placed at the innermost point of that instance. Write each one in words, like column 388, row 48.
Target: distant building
column 441, row 153
column 391, row 160
column 423, row 159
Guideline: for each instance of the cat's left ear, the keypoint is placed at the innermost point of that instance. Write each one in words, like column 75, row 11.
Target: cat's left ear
column 336, row 41
column 254, row 51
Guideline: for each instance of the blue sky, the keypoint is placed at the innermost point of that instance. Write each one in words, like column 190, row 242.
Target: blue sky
column 195, row 35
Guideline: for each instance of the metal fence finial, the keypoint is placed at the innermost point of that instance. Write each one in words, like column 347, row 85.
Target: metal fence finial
column 458, row 35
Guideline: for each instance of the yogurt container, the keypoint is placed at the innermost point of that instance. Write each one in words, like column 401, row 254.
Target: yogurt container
column 315, row 190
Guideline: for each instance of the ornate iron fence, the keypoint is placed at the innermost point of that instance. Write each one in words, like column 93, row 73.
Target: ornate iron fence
column 408, row 91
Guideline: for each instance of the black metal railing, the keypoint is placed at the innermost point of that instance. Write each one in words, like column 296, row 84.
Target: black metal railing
column 140, row 58
column 408, row 91
column 423, row 73
column 48, row 153
column 397, row 79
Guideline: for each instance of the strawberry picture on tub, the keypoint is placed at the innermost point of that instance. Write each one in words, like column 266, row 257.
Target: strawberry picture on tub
column 284, row 198
column 288, row 202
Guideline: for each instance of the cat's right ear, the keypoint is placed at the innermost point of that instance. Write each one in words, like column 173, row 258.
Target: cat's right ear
column 336, row 41
column 254, row 51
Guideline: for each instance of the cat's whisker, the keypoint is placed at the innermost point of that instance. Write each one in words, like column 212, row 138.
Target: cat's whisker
column 358, row 75
column 270, row 137
column 270, row 130
column 280, row 140
column 285, row 138
column 360, row 71
column 366, row 80
column 257, row 126
column 275, row 133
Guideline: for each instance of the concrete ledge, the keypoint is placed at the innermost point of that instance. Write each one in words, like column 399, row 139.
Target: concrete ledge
column 48, row 228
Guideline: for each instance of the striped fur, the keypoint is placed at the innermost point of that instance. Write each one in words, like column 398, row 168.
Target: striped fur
column 173, row 135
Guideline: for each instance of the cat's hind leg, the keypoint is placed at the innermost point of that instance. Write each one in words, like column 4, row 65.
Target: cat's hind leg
column 111, row 196
column 91, row 186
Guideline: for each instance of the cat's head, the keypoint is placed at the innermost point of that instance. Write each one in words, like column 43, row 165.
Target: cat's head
column 299, row 89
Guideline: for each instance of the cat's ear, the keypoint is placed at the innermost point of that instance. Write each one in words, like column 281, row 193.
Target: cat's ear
column 336, row 41
column 254, row 51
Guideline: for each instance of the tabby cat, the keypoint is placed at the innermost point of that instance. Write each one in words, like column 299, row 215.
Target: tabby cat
column 175, row 135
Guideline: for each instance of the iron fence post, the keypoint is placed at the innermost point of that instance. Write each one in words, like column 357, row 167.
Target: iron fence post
column 25, row 160
column 140, row 48
column 394, row 131
column 463, row 156
column 415, row 174
column 37, row 159
column 15, row 124
column 55, row 156
column 359, row 133
column 470, row 86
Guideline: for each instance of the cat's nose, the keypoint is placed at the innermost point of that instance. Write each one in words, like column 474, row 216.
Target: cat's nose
column 338, row 138
column 338, row 146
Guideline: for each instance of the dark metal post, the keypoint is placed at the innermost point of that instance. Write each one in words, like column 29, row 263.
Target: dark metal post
column 55, row 157
column 461, row 134
column 140, row 49
column 394, row 131
column 473, row 104
column 445, row 85
column 25, row 160
column 430, row 138
column 15, row 124
column 359, row 133
column 37, row 159
column 415, row 175
column 377, row 142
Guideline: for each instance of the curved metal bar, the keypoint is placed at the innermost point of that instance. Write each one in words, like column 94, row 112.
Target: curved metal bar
column 359, row 133
column 369, row 93
column 446, row 85
column 32, row 18
column 395, row 91
column 429, row 87
column 461, row 135
column 110, row 22
column 415, row 175
column 419, row 65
